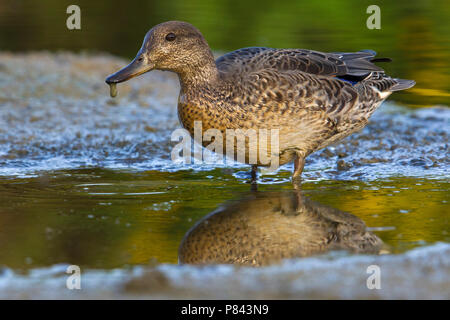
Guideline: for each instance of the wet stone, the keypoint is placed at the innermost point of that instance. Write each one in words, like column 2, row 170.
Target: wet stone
column 371, row 160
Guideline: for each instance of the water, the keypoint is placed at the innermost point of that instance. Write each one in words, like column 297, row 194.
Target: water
column 99, row 218
column 88, row 180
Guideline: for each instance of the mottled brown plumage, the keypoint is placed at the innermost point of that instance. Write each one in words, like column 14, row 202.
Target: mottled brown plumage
column 264, row 228
column 312, row 98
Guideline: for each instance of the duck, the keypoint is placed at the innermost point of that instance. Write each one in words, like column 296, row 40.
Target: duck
column 310, row 99
column 264, row 228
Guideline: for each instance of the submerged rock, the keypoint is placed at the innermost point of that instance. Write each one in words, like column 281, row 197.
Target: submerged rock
column 54, row 109
column 342, row 165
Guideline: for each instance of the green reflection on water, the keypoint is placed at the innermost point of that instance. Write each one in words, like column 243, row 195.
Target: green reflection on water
column 108, row 218
column 414, row 33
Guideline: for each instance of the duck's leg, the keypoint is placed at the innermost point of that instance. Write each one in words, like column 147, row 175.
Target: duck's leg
column 254, row 173
column 299, row 164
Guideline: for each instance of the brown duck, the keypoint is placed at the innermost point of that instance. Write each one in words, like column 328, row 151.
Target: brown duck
column 313, row 98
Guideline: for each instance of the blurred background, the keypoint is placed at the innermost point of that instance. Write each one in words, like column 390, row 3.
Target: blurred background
column 415, row 34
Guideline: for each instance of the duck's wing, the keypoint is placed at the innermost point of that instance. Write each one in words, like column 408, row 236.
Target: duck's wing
column 341, row 64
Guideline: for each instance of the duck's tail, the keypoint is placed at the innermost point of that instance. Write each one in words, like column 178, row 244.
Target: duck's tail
column 402, row 84
column 385, row 84
column 361, row 66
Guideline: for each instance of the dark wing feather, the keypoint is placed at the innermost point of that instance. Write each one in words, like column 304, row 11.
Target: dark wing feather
column 356, row 64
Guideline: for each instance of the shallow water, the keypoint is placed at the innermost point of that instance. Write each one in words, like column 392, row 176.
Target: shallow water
column 88, row 180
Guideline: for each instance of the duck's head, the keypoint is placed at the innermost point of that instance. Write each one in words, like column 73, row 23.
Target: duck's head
column 173, row 46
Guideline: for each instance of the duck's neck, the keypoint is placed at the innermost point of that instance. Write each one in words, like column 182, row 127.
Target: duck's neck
column 202, row 73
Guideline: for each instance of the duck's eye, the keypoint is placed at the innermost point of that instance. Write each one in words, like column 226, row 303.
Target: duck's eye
column 171, row 36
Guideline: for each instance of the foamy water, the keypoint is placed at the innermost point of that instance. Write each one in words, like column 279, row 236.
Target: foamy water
column 56, row 114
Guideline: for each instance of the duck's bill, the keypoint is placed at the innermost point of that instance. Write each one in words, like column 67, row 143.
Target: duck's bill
column 134, row 69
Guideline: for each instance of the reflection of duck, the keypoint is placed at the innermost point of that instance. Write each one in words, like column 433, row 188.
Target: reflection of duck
column 265, row 227
column 312, row 98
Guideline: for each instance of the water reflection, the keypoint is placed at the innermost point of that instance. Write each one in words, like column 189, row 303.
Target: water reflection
column 106, row 219
column 264, row 227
